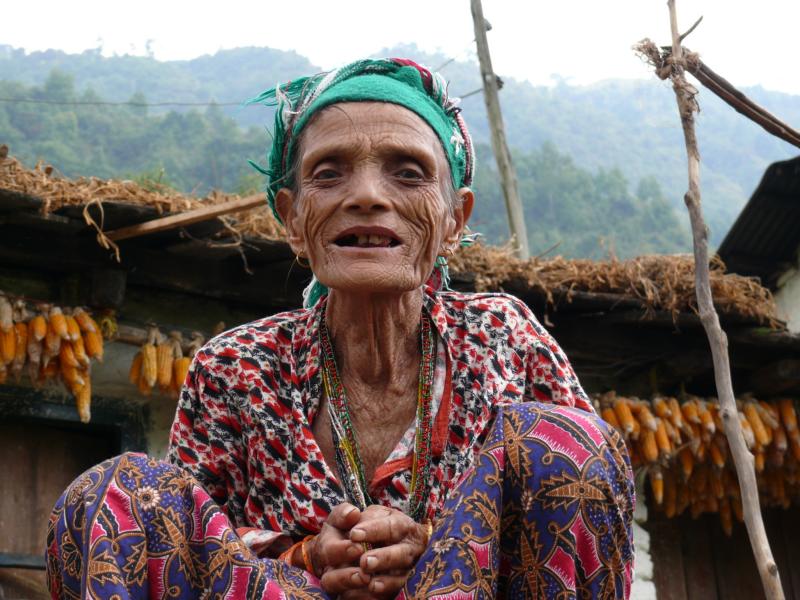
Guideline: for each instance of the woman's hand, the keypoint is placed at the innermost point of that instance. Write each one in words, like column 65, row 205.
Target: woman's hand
column 398, row 542
column 335, row 556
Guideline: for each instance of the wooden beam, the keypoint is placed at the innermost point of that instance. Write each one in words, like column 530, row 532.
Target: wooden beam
column 186, row 218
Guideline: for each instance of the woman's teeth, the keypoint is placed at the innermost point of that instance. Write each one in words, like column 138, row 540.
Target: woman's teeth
column 373, row 240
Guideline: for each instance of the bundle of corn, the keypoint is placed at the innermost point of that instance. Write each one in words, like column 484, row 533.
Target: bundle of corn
column 161, row 362
column 660, row 282
column 52, row 344
column 56, row 191
column 684, row 451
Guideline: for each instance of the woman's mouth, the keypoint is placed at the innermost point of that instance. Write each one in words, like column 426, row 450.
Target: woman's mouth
column 367, row 241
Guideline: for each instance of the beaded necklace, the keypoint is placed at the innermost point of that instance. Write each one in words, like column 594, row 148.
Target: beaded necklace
column 348, row 457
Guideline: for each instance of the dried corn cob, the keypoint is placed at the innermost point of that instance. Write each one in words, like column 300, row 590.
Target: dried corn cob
column 37, row 328
column 750, row 411
column 649, row 446
column 73, row 329
column 21, row 334
column 66, row 356
column 662, row 439
column 181, row 370
column 6, row 315
column 164, row 353
column 93, row 343
column 657, row 485
column 769, row 414
column 135, row 372
column 718, row 450
column 610, row 417
column 676, row 414
column 687, row 462
column 85, row 322
column 150, row 359
column 706, row 418
column 788, row 414
column 661, row 408
column 646, row 418
column 8, row 345
column 58, row 323
column 624, row 415
column 79, row 350
column 689, row 410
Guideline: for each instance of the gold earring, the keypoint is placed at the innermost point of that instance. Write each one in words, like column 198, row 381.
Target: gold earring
column 298, row 258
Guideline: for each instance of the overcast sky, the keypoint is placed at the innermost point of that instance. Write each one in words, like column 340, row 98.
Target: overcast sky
column 582, row 40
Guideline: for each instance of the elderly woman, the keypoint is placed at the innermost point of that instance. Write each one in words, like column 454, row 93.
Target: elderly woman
column 391, row 438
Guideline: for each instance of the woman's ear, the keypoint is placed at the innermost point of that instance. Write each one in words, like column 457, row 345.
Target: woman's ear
column 460, row 216
column 285, row 207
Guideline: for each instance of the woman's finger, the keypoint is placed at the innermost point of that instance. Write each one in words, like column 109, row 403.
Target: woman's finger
column 343, row 516
column 388, row 558
column 390, row 529
column 336, row 552
column 387, row 586
column 336, row 581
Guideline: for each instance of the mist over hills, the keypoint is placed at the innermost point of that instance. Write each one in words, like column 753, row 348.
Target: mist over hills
column 603, row 162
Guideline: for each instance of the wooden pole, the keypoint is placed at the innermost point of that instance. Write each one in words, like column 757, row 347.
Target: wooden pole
column 687, row 106
column 186, row 218
column 508, row 177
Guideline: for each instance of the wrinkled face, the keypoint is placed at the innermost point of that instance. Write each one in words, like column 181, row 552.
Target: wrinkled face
column 370, row 212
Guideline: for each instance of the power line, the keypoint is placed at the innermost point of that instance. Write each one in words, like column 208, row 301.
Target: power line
column 139, row 104
column 108, row 103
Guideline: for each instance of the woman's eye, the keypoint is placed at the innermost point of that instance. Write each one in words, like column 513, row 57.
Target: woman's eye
column 326, row 174
column 411, row 174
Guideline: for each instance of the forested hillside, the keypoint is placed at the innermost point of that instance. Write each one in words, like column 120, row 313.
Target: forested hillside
column 601, row 167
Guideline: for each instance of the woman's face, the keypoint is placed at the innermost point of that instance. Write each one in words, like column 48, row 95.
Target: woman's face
column 370, row 212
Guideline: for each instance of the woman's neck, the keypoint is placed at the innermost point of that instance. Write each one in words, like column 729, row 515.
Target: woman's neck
column 376, row 337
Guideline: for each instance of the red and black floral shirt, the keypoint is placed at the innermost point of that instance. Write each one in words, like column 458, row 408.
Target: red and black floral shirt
column 243, row 424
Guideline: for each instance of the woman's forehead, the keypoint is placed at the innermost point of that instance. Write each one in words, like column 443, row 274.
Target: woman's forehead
column 365, row 126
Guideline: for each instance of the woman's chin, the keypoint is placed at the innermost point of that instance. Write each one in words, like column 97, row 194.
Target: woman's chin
column 371, row 280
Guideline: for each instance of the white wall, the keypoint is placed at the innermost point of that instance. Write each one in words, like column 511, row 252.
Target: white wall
column 643, row 586
column 788, row 298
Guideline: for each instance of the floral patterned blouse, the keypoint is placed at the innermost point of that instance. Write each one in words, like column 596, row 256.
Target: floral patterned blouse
column 243, row 426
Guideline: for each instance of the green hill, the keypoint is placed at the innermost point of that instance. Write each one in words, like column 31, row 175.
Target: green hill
column 604, row 135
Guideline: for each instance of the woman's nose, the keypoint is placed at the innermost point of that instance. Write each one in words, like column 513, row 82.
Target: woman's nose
column 366, row 193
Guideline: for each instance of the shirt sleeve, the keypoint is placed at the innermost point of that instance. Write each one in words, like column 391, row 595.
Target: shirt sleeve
column 550, row 377
column 206, row 440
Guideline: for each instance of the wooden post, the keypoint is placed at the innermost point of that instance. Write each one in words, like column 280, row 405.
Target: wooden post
column 743, row 460
column 508, row 177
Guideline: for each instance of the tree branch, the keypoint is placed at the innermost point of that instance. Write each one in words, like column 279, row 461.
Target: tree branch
column 743, row 460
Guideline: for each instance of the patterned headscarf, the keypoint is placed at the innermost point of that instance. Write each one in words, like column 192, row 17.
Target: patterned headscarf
column 394, row 80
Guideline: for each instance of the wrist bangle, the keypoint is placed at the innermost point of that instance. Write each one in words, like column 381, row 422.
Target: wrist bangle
column 306, row 558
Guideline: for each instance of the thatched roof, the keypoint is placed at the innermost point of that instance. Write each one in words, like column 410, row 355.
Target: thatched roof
column 658, row 283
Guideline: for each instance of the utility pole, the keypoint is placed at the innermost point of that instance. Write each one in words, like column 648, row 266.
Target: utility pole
column 508, row 177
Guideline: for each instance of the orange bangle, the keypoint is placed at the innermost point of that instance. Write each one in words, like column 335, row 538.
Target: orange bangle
column 286, row 555
column 306, row 558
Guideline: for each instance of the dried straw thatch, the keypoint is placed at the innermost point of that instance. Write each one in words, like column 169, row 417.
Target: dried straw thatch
column 55, row 191
column 660, row 282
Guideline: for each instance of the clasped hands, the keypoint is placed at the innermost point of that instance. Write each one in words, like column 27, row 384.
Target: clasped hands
column 346, row 569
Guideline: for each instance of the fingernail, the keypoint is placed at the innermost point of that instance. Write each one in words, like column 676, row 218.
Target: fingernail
column 349, row 511
column 377, row 586
column 358, row 535
column 371, row 562
column 359, row 579
column 353, row 551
